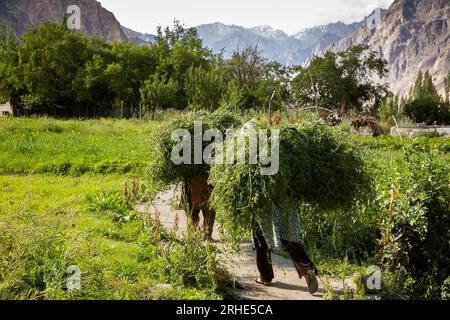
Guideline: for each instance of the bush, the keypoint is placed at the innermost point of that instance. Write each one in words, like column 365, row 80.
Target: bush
column 114, row 202
column 69, row 168
column 52, row 127
column 415, row 238
column 189, row 262
column 32, row 263
column 349, row 233
column 425, row 110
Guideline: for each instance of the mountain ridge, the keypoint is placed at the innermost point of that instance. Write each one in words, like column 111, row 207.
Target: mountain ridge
column 413, row 36
column 95, row 20
column 272, row 43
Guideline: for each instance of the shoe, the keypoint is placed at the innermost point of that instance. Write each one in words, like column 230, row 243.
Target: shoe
column 311, row 281
column 265, row 283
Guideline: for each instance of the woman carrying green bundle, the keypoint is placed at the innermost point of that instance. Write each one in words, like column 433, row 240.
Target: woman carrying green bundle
column 196, row 198
column 192, row 175
column 319, row 168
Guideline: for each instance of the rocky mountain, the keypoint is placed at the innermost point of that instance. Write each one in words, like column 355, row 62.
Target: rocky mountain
column 413, row 35
column 273, row 44
column 95, row 20
column 321, row 37
column 137, row 37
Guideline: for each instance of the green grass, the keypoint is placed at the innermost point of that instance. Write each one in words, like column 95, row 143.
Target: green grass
column 46, row 226
column 62, row 203
column 74, row 147
column 54, row 177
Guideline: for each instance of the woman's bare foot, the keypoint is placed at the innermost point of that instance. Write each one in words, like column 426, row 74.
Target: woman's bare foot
column 263, row 282
column 311, row 281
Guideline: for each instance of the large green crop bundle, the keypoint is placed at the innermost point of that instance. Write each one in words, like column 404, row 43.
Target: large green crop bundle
column 318, row 166
column 162, row 169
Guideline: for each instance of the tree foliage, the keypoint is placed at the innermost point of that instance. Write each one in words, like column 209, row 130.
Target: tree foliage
column 424, row 104
column 342, row 81
column 392, row 106
column 52, row 68
column 256, row 79
column 57, row 71
column 178, row 50
column 447, row 87
column 429, row 111
column 424, row 88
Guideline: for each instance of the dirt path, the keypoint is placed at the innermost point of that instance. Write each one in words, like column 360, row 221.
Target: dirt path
column 286, row 285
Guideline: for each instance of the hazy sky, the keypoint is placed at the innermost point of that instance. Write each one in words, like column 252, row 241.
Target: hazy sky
column 287, row 15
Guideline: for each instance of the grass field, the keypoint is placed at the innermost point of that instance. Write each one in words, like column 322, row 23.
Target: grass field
column 62, row 203
column 73, row 147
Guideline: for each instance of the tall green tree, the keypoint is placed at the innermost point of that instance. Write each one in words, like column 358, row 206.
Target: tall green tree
column 447, row 87
column 429, row 90
column 132, row 65
column 417, row 89
column 50, row 58
column 110, row 82
column 159, row 92
column 177, row 50
column 92, row 84
column 11, row 88
column 206, row 88
column 424, row 105
column 255, row 81
column 424, row 88
column 390, row 107
column 342, row 81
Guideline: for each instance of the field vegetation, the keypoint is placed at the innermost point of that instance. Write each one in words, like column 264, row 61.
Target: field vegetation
column 58, row 217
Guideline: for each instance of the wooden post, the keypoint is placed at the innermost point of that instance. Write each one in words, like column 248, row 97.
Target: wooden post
column 315, row 94
column 270, row 108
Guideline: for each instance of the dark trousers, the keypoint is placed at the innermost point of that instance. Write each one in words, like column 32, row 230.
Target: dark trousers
column 302, row 262
column 209, row 217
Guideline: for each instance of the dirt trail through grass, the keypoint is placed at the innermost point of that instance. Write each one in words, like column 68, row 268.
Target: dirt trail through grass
column 286, row 286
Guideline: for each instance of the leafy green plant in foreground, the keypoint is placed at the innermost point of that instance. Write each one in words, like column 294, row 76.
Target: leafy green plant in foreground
column 415, row 237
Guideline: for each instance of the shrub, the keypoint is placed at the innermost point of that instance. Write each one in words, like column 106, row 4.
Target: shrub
column 114, row 202
column 190, row 261
column 32, row 263
column 53, row 127
column 415, row 238
column 426, row 110
column 118, row 167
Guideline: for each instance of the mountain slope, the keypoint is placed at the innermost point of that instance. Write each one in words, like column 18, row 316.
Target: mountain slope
column 321, row 37
column 414, row 35
column 137, row 37
column 273, row 44
column 95, row 20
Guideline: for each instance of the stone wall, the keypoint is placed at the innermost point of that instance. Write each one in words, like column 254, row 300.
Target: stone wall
column 420, row 132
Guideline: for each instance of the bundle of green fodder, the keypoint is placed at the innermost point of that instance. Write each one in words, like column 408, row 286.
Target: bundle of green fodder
column 318, row 166
column 162, row 170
